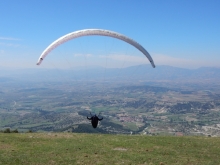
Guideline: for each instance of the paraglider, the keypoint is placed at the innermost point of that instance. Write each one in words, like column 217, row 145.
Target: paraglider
column 89, row 32
column 94, row 120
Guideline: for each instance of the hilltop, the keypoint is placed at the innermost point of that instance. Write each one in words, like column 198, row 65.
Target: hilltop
column 72, row 148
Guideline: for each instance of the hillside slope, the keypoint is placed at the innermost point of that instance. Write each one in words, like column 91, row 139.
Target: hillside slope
column 71, row 148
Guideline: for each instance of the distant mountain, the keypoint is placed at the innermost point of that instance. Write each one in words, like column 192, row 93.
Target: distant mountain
column 140, row 73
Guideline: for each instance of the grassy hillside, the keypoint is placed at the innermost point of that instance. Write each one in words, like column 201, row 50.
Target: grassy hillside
column 73, row 148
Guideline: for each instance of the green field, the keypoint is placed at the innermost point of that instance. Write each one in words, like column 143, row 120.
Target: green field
column 71, row 148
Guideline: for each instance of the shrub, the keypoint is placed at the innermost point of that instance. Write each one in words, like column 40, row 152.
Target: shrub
column 14, row 131
column 7, row 130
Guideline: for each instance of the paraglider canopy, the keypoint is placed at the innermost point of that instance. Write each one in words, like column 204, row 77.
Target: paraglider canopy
column 88, row 32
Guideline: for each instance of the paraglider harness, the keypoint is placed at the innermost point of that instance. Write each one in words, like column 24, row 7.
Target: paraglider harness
column 94, row 119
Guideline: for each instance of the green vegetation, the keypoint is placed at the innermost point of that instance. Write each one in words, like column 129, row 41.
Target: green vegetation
column 8, row 130
column 143, row 108
column 71, row 148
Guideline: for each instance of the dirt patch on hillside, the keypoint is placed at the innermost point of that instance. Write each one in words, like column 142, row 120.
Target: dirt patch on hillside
column 5, row 146
column 120, row 149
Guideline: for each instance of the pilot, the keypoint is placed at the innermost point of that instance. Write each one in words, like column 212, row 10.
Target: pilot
column 94, row 120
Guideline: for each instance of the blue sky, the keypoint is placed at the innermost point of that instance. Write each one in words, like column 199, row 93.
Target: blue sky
column 175, row 32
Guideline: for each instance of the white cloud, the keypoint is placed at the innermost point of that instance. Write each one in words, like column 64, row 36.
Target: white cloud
column 160, row 59
column 82, row 55
column 9, row 38
column 168, row 60
column 121, row 60
column 124, row 60
column 9, row 44
column 7, row 41
column 127, row 58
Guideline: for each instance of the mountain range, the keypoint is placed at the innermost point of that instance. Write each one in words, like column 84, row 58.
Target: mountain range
column 140, row 73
